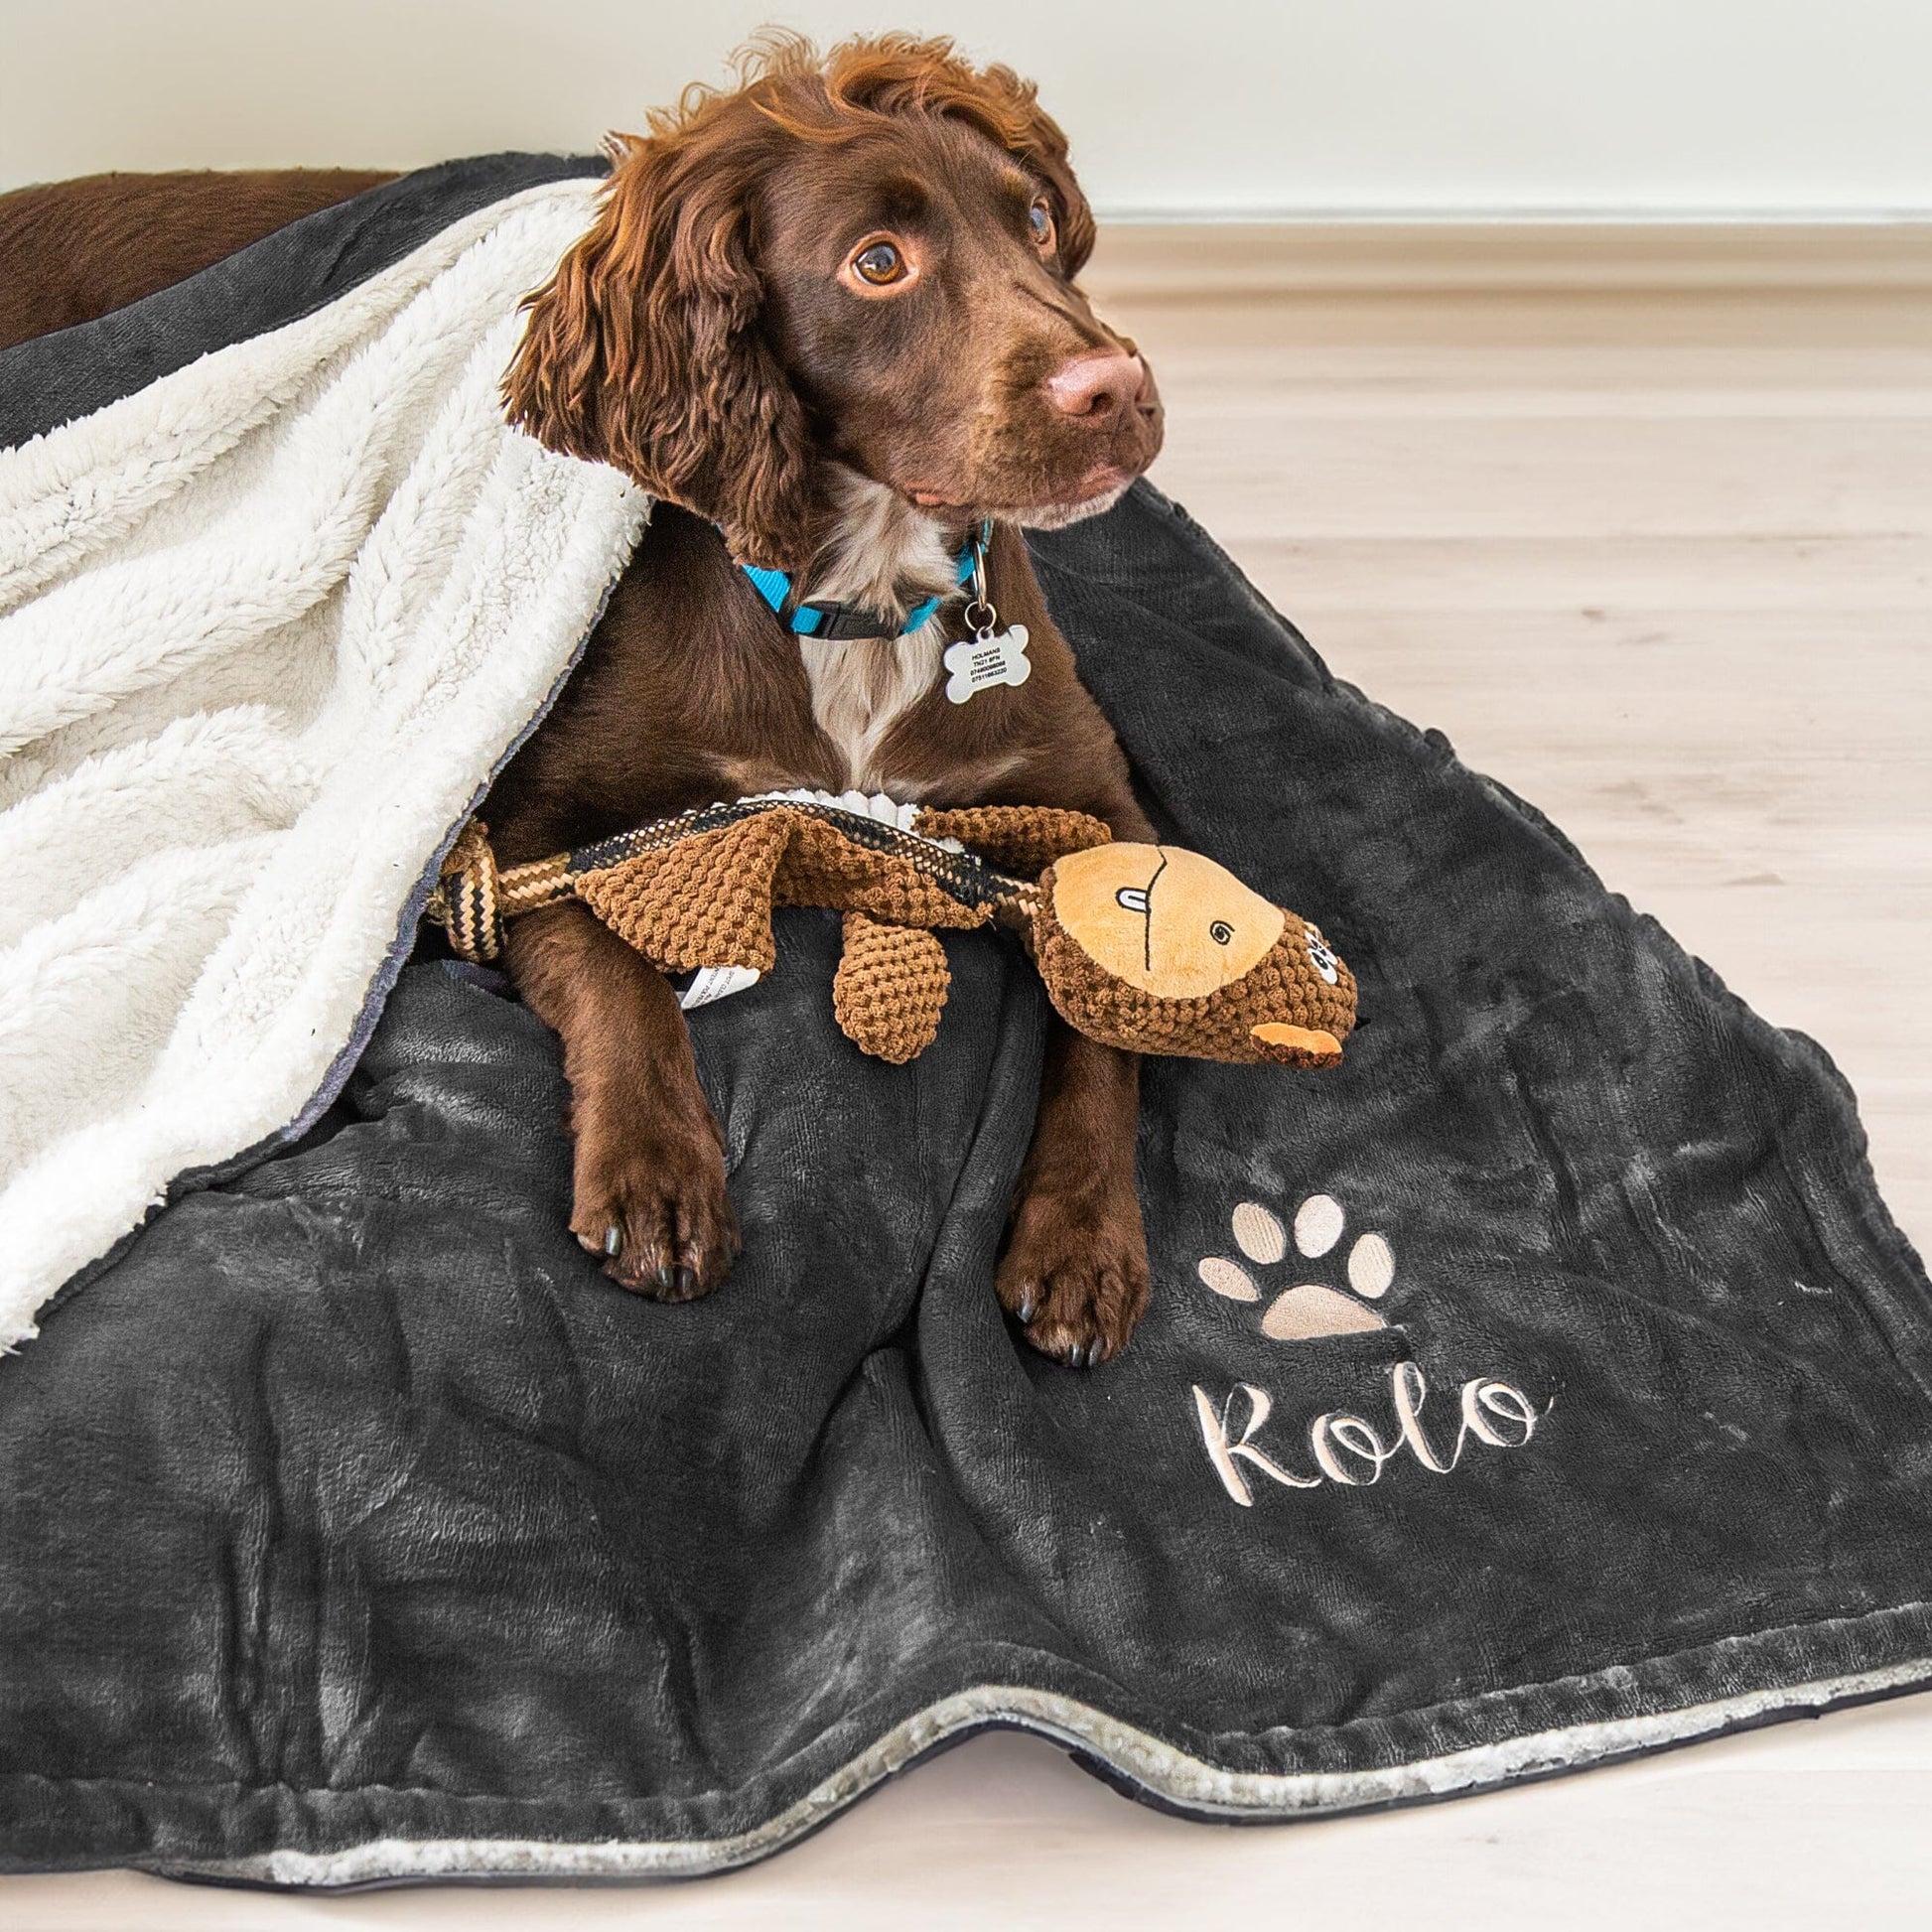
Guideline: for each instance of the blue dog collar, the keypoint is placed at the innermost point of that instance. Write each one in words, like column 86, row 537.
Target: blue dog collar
column 823, row 617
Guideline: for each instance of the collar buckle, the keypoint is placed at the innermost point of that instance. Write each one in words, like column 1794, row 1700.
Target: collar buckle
column 826, row 618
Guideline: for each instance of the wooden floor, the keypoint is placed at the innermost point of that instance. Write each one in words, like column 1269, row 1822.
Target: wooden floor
column 1643, row 522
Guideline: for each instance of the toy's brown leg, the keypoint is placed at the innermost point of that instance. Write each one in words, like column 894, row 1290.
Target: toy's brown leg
column 650, row 1195
column 891, row 988
column 1075, row 1268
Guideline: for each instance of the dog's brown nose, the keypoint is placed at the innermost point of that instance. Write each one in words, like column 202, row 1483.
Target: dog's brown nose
column 1099, row 385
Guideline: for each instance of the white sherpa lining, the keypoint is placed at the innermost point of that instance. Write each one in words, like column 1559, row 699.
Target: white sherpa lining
column 266, row 627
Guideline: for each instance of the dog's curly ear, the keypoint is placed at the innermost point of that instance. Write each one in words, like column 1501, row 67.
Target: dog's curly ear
column 643, row 351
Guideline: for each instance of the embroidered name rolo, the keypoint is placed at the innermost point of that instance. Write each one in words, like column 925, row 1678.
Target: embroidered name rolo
column 1348, row 1448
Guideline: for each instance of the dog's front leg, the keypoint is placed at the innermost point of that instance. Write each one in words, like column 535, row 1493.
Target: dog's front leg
column 1075, row 1268
column 650, row 1181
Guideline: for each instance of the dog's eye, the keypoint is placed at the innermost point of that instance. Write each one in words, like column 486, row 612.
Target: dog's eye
column 1220, row 932
column 1039, row 218
column 878, row 264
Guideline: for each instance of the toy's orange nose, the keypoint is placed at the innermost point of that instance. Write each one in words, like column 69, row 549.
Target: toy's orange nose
column 1298, row 1039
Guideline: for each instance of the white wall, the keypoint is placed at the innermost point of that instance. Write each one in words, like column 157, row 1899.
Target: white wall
column 1667, row 108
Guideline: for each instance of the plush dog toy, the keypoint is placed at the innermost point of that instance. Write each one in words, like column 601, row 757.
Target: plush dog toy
column 1147, row 948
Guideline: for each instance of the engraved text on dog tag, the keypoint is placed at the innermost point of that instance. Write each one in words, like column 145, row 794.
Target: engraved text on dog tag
column 978, row 663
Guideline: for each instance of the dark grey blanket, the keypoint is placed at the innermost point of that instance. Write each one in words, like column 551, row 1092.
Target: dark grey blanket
column 1546, row 1384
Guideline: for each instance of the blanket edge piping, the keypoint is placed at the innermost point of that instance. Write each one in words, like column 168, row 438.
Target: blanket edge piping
column 1135, row 1761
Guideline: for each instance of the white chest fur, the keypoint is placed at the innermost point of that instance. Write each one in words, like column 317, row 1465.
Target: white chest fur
column 862, row 687
column 884, row 552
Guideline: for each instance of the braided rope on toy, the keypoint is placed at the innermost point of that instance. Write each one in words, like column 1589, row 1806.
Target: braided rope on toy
column 474, row 900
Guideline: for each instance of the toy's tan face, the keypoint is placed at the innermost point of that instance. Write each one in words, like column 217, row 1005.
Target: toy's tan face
column 1169, row 922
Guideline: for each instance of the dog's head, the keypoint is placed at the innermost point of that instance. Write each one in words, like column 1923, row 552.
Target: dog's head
column 864, row 263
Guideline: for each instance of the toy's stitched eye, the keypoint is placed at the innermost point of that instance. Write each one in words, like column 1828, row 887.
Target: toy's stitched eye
column 1220, row 932
column 1039, row 219
column 880, row 264
column 1322, row 955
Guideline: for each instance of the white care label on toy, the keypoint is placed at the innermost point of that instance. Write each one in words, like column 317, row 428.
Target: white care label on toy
column 717, row 983
column 979, row 663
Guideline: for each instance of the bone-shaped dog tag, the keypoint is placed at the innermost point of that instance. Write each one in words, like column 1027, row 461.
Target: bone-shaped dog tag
column 979, row 663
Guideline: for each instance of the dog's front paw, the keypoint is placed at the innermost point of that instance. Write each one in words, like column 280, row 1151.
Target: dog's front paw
column 1075, row 1270
column 652, row 1206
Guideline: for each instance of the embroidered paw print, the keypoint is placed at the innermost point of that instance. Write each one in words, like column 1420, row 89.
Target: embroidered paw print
column 1313, row 1308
